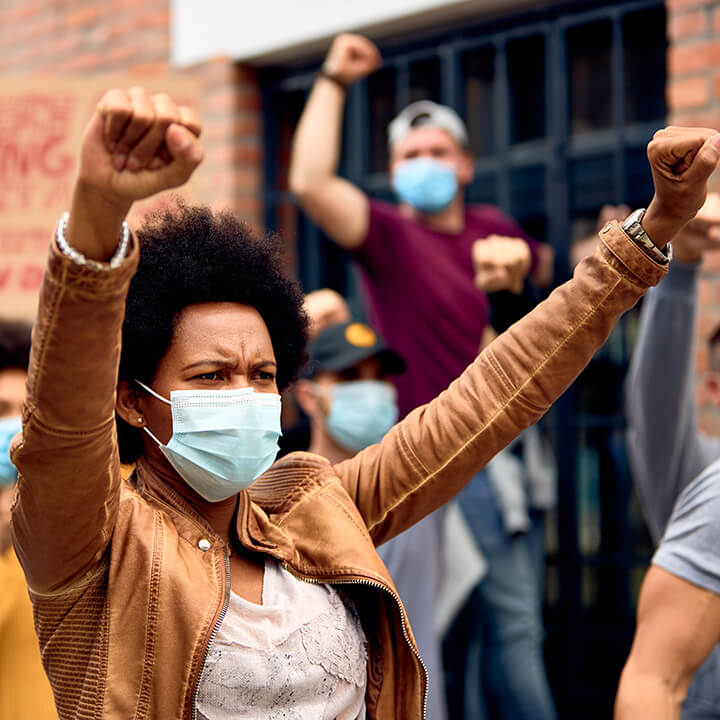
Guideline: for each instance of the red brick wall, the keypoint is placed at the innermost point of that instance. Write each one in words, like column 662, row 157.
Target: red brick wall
column 693, row 95
column 84, row 36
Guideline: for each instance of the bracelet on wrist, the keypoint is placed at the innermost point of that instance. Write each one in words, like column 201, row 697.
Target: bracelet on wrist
column 635, row 231
column 322, row 72
column 80, row 259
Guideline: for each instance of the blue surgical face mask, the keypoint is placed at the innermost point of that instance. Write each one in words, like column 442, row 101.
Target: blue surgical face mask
column 361, row 412
column 9, row 428
column 222, row 440
column 426, row 184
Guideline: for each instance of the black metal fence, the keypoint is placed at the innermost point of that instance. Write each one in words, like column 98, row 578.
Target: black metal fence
column 560, row 104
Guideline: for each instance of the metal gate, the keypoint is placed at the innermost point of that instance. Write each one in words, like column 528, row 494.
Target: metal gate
column 560, row 104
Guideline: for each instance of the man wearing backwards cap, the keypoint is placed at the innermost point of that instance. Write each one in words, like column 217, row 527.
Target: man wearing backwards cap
column 417, row 257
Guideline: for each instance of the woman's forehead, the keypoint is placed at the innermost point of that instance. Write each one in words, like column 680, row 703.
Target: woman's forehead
column 220, row 325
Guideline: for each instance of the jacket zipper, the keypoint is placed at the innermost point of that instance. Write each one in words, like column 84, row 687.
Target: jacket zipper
column 221, row 617
column 364, row 581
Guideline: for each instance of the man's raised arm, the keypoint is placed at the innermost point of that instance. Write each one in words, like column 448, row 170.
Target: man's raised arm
column 665, row 447
column 336, row 205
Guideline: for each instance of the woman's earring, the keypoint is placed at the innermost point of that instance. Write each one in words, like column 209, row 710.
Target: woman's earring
column 140, row 419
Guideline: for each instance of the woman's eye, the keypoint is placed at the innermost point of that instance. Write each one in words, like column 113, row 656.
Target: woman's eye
column 265, row 375
column 214, row 375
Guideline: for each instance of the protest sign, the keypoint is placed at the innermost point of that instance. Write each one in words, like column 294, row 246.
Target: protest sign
column 41, row 124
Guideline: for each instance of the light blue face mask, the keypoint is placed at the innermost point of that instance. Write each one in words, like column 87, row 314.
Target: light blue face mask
column 222, row 440
column 426, row 184
column 9, row 428
column 362, row 411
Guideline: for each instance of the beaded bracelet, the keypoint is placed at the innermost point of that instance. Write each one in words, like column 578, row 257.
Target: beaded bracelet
column 80, row 259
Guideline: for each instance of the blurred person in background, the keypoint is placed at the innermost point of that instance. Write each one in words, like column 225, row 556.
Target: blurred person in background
column 347, row 395
column 493, row 651
column 425, row 273
column 346, row 392
column 24, row 689
column 674, row 667
column 324, row 307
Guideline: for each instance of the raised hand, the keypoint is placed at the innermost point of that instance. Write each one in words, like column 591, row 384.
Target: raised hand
column 701, row 234
column 324, row 308
column 351, row 57
column 135, row 145
column 681, row 160
column 139, row 144
column 501, row 263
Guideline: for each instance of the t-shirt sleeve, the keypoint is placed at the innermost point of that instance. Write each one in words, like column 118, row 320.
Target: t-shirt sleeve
column 377, row 252
column 498, row 223
column 690, row 548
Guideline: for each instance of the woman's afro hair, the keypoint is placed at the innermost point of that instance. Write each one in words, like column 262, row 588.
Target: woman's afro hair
column 190, row 255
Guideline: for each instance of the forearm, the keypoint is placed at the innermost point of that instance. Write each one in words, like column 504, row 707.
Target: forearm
column 316, row 146
column 645, row 697
column 663, row 442
column 68, row 465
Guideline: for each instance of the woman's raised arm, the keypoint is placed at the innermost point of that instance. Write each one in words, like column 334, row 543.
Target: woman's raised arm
column 428, row 457
column 134, row 146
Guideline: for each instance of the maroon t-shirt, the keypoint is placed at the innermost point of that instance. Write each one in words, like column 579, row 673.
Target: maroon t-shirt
column 422, row 295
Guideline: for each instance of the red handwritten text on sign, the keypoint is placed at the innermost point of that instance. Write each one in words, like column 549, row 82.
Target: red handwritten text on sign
column 36, row 158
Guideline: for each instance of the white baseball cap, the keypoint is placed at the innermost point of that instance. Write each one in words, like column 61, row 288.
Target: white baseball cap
column 427, row 112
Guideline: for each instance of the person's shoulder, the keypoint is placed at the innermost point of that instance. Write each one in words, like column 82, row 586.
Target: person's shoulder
column 384, row 208
column 705, row 488
column 696, row 511
column 690, row 547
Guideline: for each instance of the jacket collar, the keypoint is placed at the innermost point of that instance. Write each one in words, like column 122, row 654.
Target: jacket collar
column 272, row 495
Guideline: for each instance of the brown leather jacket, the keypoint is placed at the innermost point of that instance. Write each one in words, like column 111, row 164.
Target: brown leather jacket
column 127, row 597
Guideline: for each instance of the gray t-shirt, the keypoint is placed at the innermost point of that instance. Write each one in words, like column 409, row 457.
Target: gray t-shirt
column 690, row 549
column 666, row 450
column 678, row 486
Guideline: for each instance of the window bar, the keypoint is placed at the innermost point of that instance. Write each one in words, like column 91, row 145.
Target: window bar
column 502, row 123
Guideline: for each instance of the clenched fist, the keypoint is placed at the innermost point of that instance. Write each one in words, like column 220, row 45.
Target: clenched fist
column 681, row 160
column 324, row 308
column 351, row 57
column 134, row 146
column 138, row 144
column 501, row 263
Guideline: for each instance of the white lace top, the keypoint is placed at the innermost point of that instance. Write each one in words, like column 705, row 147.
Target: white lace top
column 299, row 655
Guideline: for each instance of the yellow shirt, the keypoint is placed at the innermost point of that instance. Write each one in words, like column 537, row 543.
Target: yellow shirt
column 24, row 689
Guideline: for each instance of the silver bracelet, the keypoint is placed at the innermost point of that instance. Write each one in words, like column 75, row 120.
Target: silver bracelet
column 80, row 259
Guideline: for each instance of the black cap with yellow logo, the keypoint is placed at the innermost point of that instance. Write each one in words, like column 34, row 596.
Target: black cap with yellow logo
column 339, row 347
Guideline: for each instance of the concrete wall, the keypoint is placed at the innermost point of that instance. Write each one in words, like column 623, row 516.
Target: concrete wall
column 275, row 30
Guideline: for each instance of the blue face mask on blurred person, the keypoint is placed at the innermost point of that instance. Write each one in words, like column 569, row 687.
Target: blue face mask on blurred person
column 9, row 428
column 362, row 411
column 222, row 440
column 426, row 184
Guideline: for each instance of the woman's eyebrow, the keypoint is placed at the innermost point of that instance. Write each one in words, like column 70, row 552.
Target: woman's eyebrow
column 267, row 362
column 222, row 362
column 216, row 362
